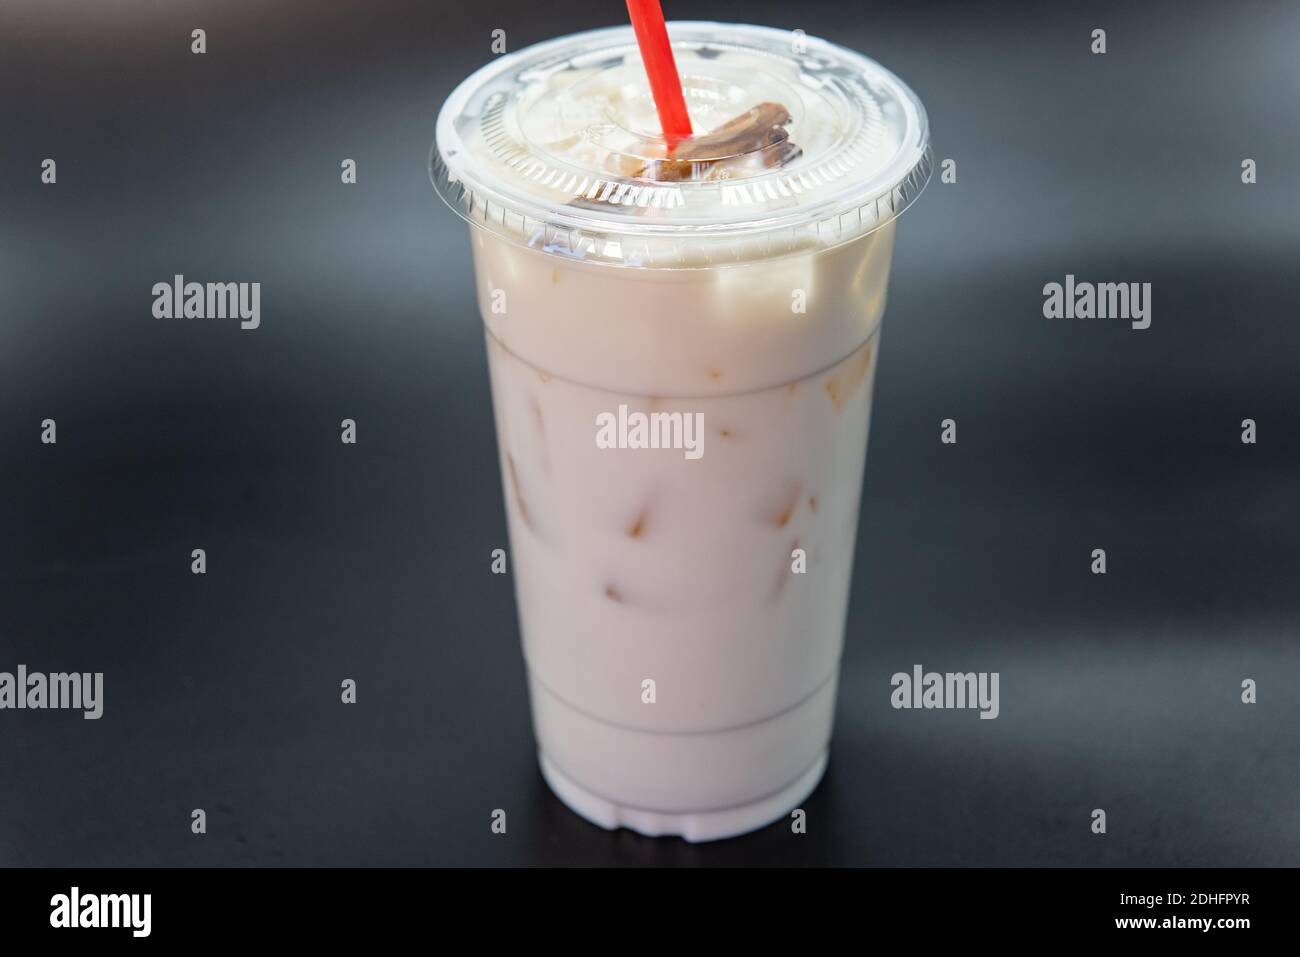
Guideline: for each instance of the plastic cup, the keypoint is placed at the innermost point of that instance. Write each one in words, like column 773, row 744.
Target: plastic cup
column 682, row 614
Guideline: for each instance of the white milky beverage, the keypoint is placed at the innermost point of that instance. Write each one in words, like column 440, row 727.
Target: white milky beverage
column 682, row 606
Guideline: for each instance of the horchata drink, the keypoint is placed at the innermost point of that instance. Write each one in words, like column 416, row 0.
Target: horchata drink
column 682, row 344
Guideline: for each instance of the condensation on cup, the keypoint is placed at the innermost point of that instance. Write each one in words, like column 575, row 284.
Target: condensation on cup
column 682, row 614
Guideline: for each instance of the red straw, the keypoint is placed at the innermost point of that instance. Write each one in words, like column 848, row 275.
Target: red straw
column 652, row 37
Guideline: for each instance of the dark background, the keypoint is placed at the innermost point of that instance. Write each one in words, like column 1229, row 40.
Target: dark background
column 371, row 562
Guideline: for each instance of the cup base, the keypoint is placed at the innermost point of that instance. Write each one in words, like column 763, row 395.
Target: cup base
column 695, row 826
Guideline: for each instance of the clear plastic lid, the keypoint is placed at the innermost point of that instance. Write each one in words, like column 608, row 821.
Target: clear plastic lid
column 798, row 143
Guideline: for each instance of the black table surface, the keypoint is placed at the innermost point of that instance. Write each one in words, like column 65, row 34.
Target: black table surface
column 370, row 562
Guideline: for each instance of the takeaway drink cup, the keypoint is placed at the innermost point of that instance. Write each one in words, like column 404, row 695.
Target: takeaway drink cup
column 682, row 607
